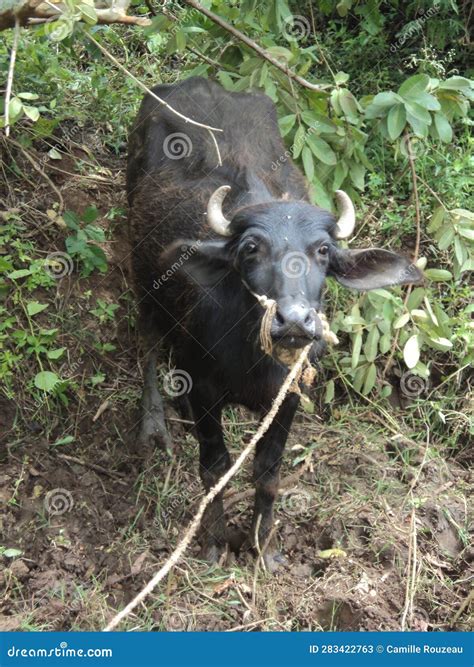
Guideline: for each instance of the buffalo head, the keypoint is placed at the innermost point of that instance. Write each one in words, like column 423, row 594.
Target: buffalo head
column 284, row 250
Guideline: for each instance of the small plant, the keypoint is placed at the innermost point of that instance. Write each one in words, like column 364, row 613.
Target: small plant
column 82, row 245
column 105, row 312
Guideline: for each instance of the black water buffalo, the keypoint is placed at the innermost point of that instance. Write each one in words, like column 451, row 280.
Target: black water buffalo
column 207, row 239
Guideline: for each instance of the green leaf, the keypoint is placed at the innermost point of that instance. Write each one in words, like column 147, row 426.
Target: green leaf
column 434, row 319
column 446, row 238
column 88, row 13
column 54, row 154
column 31, row 112
column 419, row 127
column 411, row 351
column 15, row 108
column 55, row 354
column 341, row 78
column 385, row 343
column 340, row 172
column 370, row 378
column 438, row 275
column 46, row 381
column 418, row 112
column 28, row 96
column 415, row 298
column 90, row 214
column 371, row 344
column 329, row 393
column 467, row 233
column 443, row 127
column 308, row 163
column 436, row 219
column 348, row 105
column 463, row 213
column 12, row 553
column 298, row 141
column 180, row 37
column 286, row 123
column 357, row 172
column 386, row 99
column 319, row 122
column 396, row 121
column 456, row 83
column 401, row 321
column 441, row 343
column 63, row 441
column 19, row 273
column 321, row 149
column 427, row 101
column 34, row 307
column 414, row 85
column 356, row 348
column 59, row 30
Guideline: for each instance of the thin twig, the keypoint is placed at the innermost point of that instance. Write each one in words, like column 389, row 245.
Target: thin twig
column 261, row 552
column 36, row 166
column 11, row 70
column 430, row 189
column 234, row 497
column 408, row 606
column 464, row 605
column 93, row 466
column 213, row 492
column 411, row 160
column 255, row 47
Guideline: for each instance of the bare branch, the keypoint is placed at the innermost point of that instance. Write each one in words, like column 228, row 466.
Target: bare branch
column 11, row 70
column 36, row 11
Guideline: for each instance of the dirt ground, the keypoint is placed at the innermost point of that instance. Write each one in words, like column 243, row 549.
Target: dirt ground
column 371, row 509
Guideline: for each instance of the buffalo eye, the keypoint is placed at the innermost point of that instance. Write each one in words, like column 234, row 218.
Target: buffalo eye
column 250, row 248
column 323, row 250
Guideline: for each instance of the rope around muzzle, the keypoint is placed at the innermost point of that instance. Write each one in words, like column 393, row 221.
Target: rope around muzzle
column 285, row 356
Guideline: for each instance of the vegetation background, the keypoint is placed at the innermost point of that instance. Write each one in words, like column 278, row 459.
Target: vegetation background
column 373, row 97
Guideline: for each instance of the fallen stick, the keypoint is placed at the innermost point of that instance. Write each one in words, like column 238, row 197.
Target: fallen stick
column 293, row 375
column 233, row 497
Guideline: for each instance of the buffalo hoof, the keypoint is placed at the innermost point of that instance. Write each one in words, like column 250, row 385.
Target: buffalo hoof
column 152, row 435
column 275, row 562
column 212, row 553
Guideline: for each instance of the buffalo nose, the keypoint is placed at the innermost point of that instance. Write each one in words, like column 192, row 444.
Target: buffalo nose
column 295, row 319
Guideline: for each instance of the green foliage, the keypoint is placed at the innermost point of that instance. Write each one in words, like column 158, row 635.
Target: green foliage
column 335, row 135
column 82, row 244
column 393, row 89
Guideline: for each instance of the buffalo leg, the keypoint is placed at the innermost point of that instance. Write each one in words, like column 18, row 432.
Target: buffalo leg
column 153, row 432
column 267, row 463
column 214, row 461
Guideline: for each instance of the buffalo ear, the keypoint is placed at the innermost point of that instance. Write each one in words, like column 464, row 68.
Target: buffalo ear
column 203, row 262
column 373, row 268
